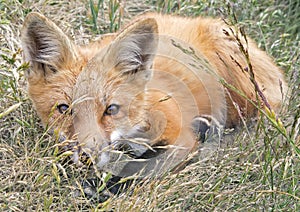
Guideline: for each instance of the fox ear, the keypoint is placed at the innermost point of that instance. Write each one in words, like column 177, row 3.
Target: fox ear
column 134, row 49
column 45, row 45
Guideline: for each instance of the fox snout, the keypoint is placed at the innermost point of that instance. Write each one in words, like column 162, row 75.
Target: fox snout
column 105, row 148
column 120, row 152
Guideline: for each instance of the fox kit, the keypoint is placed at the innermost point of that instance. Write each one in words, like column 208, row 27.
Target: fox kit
column 150, row 92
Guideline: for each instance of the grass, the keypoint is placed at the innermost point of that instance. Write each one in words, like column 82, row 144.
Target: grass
column 258, row 169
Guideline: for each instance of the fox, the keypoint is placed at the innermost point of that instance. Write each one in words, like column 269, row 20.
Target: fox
column 143, row 98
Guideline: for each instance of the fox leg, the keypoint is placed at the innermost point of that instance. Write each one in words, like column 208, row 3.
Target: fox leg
column 207, row 128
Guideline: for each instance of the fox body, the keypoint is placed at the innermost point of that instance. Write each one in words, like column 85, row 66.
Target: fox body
column 152, row 85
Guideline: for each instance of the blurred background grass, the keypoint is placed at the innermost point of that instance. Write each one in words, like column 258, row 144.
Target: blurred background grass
column 254, row 171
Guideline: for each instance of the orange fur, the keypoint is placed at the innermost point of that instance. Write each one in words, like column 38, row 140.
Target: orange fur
column 158, row 74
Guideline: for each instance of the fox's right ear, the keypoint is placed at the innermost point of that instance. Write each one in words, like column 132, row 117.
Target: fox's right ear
column 45, row 45
column 134, row 49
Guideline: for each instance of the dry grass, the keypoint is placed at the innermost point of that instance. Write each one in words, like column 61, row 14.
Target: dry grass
column 254, row 171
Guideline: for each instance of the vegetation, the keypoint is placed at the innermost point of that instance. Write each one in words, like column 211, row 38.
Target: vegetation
column 257, row 168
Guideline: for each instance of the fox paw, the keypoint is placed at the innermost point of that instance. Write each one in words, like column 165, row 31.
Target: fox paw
column 206, row 128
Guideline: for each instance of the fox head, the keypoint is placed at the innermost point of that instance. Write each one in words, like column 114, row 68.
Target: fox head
column 110, row 102
column 55, row 62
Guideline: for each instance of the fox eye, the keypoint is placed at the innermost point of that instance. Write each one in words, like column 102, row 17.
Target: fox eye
column 112, row 109
column 63, row 108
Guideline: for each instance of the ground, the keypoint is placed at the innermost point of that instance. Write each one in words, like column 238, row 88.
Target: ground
column 257, row 167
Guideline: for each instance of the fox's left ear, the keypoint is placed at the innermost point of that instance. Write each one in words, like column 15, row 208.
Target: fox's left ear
column 134, row 49
column 45, row 45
